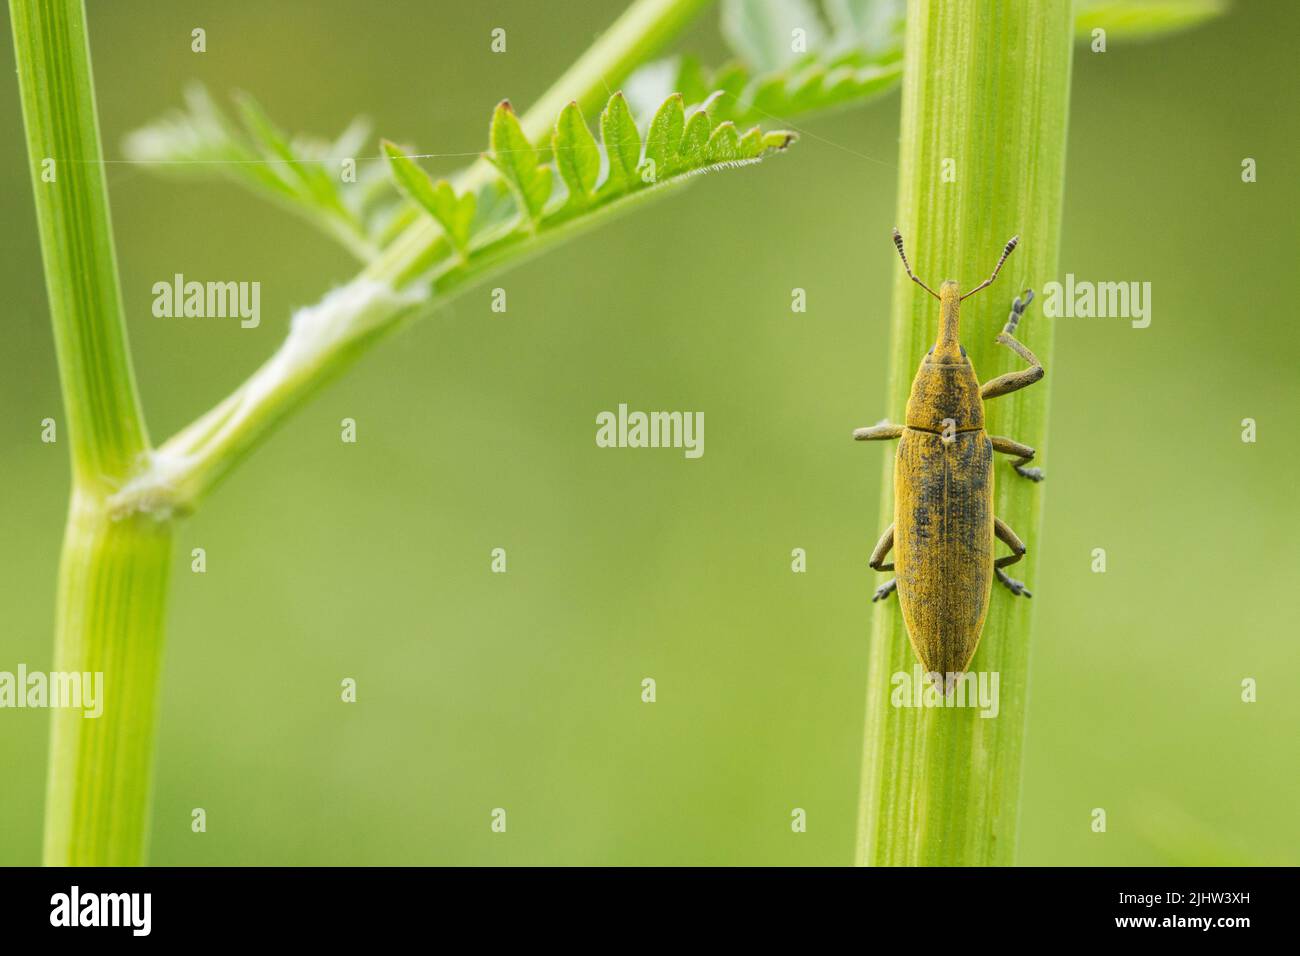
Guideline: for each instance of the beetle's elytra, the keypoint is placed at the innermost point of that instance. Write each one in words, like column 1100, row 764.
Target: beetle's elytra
column 944, row 528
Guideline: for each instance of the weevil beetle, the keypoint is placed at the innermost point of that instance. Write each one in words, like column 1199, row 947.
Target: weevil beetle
column 944, row 529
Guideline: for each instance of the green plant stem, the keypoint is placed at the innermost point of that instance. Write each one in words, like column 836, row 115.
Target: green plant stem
column 104, row 422
column 113, row 574
column 987, row 86
column 113, row 581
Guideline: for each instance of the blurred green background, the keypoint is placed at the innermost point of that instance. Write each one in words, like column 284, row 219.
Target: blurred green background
column 476, row 431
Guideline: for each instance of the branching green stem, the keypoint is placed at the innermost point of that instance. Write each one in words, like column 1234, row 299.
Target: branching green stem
column 410, row 276
column 117, row 549
column 113, row 574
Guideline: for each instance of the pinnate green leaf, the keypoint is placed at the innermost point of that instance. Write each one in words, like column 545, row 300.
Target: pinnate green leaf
column 524, row 198
column 752, row 143
column 664, row 138
column 317, row 183
column 454, row 213
column 515, row 157
column 724, row 144
column 622, row 145
column 576, row 155
column 696, row 138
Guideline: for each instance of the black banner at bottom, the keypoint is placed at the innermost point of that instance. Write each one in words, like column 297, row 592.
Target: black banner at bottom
column 372, row 905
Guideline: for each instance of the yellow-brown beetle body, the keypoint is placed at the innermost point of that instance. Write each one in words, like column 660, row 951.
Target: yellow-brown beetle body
column 944, row 528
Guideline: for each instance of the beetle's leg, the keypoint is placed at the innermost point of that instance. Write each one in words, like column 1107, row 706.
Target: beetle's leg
column 1004, row 533
column 1008, row 447
column 1014, row 586
column 880, row 431
column 1014, row 381
column 882, row 549
column 878, row 555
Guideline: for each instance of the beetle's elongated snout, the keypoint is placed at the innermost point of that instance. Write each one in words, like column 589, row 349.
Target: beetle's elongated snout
column 947, row 348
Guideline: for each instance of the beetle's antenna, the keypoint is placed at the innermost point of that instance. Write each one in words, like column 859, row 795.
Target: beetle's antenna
column 898, row 242
column 1011, row 245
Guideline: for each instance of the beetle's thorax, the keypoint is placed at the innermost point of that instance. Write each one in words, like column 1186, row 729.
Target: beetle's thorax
column 945, row 393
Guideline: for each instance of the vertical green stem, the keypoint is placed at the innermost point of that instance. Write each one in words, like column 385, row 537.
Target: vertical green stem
column 113, row 574
column 113, row 581
column 104, row 422
column 982, row 157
